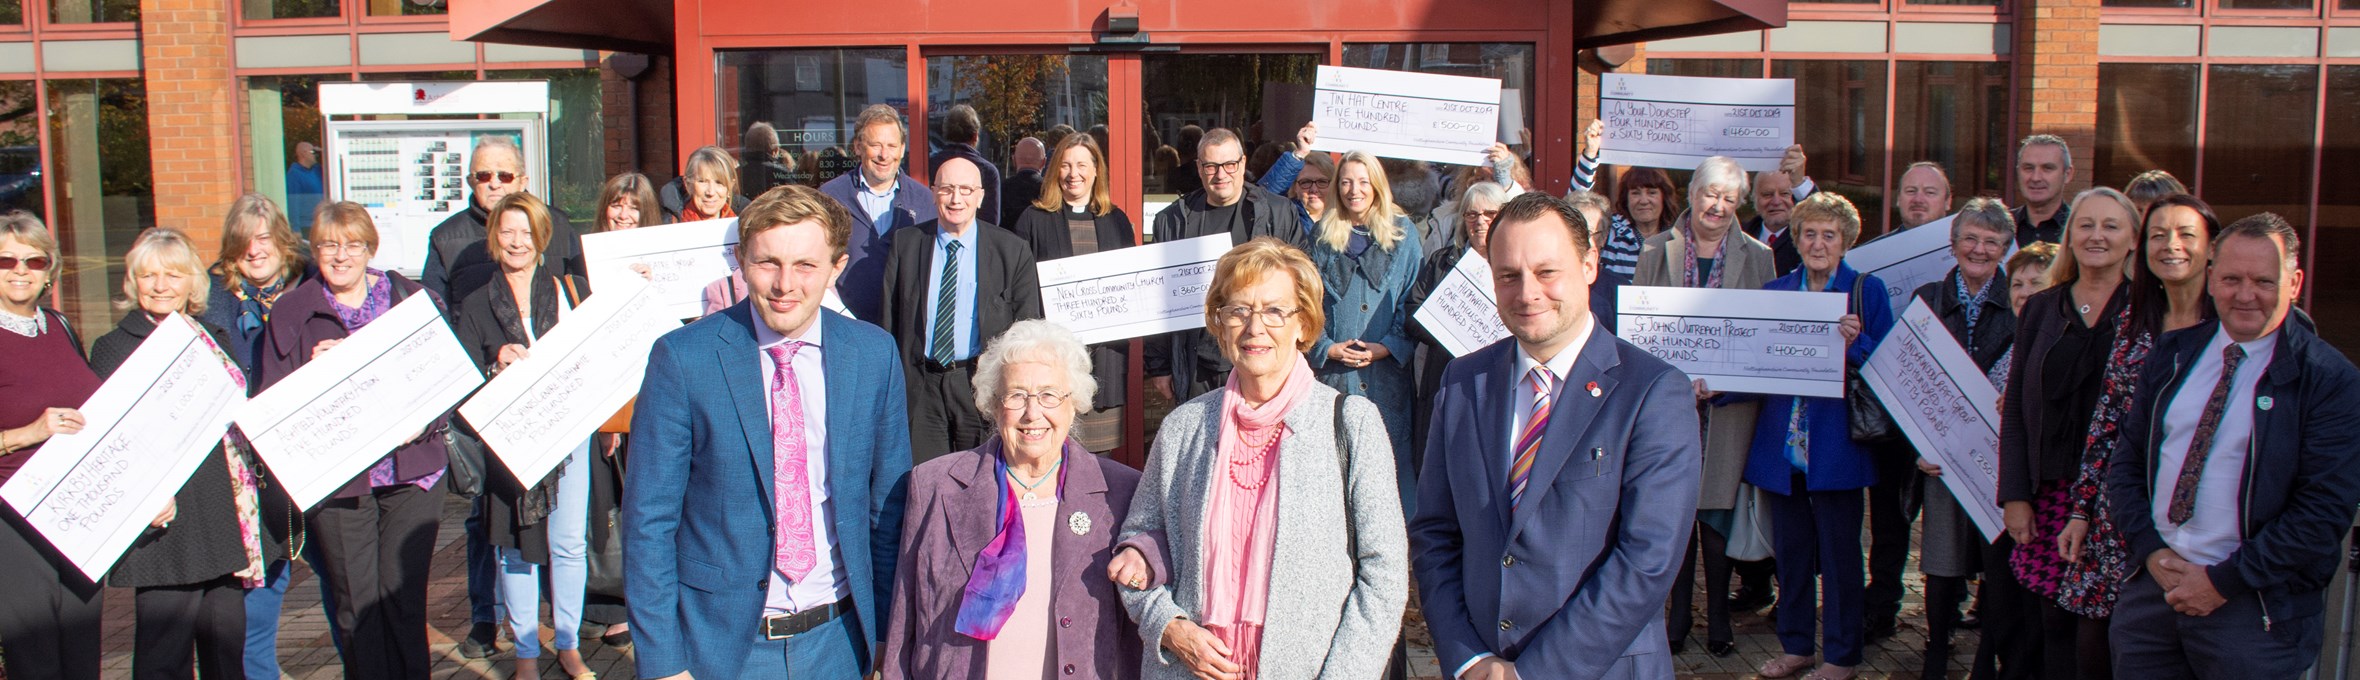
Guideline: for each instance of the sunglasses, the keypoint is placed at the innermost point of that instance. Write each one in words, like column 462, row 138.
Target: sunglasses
column 39, row 263
column 487, row 175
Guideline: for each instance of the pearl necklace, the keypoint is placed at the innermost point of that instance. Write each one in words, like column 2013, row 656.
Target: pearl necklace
column 1260, row 453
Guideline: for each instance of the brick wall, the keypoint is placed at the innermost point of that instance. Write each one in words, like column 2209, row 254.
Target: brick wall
column 650, row 133
column 2057, row 75
column 185, row 51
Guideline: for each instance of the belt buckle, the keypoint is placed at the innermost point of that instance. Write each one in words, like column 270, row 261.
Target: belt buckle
column 771, row 625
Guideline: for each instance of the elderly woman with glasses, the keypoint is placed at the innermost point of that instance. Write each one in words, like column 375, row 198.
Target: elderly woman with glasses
column 1275, row 496
column 1001, row 543
column 1803, row 458
column 376, row 535
column 49, row 613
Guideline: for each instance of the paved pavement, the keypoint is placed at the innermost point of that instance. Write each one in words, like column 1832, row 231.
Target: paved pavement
column 305, row 652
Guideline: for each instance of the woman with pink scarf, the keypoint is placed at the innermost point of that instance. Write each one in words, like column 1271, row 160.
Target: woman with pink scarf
column 1273, row 500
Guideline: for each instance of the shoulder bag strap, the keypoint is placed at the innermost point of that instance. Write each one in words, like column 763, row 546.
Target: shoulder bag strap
column 1344, row 466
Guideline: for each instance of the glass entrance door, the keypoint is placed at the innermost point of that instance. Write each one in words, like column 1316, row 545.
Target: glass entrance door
column 1263, row 97
column 1042, row 97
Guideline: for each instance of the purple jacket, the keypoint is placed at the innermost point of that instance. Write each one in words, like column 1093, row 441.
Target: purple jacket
column 952, row 514
column 302, row 319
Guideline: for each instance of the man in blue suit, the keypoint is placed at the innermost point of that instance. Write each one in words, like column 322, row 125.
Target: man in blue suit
column 769, row 452
column 1546, row 541
column 879, row 198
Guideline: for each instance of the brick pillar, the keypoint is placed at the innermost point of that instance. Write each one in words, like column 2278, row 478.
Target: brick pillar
column 647, row 129
column 185, row 51
column 2057, row 78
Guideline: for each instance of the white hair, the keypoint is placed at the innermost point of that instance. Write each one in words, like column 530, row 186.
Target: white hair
column 1035, row 340
column 1718, row 172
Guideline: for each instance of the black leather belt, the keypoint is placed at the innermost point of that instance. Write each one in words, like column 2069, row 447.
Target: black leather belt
column 785, row 626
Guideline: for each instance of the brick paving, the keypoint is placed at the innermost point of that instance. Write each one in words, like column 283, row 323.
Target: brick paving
column 305, row 652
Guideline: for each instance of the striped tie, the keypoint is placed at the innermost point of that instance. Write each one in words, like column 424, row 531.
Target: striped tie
column 946, row 304
column 1529, row 444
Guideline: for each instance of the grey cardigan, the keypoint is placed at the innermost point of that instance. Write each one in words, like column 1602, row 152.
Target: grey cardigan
column 1332, row 614
column 1728, row 428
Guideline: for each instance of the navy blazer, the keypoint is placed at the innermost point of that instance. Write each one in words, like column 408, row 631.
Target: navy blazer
column 1837, row 464
column 1573, row 585
column 697, row 501
column 863, row 283
column 2302, row 472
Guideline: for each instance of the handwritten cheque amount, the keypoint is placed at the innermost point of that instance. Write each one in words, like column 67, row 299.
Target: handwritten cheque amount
column 334, row 417
column 1128, row 293
column 1758, row 341
column 158, row 417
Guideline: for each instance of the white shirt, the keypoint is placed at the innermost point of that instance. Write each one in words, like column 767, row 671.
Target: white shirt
column 1560, row 365
column 2212, row 532
column 828, row 581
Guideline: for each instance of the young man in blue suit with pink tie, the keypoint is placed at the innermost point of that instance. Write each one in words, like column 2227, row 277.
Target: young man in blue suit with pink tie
column 1547, row 538
column 769, row 455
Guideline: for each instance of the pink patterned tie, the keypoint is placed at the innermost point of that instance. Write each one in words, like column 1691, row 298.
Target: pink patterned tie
column 790, row 483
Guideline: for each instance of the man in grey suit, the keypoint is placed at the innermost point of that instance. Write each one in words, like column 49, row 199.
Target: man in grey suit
column 1545, row 551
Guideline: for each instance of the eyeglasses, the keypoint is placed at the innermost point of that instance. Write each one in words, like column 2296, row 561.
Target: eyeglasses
column 485, row 176
column 1313, row 183
column 1234, row 316
column 39, row 263
column 960, row 190
column 1992, row 243
column 1485, row 215
column 1229, row 168
column 332, row 248
column 1015, row 401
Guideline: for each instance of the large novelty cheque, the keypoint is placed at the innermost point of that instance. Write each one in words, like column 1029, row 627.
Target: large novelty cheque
column 1128, row 293
column 1758, row 341
column 543, row 406
column 1462, row 313
column 679, row 259
column 92, row 493
column 1398, row 114
column 1947, row 407
column 1907, row 259
column 336, row 416
column 1678, row 121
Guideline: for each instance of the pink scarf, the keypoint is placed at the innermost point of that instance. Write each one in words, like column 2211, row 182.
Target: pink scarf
column 1241, row 529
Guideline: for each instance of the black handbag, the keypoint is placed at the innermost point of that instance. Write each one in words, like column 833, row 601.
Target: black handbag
column 467, row 453
column 1870, row 423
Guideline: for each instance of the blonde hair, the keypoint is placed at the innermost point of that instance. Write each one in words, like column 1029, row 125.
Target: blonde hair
column 166, row 249
column 1052, row 198
column 1244, row 266
column 2068, row 267
column 248, row 216
column 712, row 163
column 26, row 228
column 1382, row 216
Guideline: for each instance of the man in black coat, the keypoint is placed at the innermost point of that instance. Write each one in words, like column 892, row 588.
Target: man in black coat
column 456, row 262
column 1020, row 188
column 2237, row 477
column 951, row 285
column 1185, row 364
